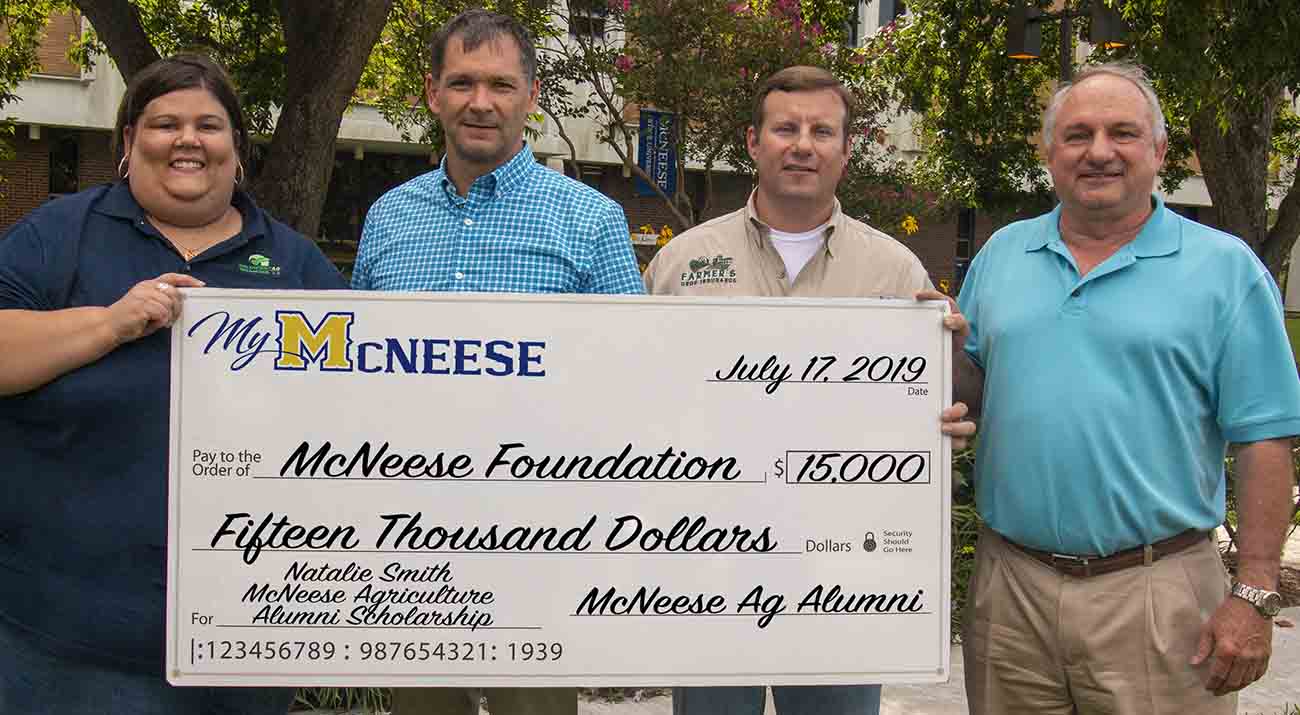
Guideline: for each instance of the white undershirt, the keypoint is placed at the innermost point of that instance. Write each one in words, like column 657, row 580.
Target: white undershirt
column 797, row 249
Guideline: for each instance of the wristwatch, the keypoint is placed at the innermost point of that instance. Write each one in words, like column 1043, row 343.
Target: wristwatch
column 1268, row 603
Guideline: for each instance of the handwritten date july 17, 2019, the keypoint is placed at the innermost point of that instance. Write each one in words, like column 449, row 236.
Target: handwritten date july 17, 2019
column 878, row 369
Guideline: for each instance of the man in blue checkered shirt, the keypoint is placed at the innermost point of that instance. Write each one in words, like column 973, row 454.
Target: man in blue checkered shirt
column 490, row 218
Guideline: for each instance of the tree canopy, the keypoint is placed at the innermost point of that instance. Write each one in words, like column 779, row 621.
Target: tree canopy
column 1220, row 69
column 702, row 61
column 297, row 66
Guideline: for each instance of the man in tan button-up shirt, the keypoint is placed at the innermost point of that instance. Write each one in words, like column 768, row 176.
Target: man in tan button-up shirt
column 792, row 239
column 735, row 255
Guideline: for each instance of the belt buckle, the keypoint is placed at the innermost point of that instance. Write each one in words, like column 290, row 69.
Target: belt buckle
column 1069, row 561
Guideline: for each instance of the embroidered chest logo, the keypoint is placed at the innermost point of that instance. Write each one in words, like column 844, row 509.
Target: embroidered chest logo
column 705, row 270
column 260, row 265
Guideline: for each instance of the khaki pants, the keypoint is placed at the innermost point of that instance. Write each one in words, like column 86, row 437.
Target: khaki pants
column 1038, row 642
column 501, row 701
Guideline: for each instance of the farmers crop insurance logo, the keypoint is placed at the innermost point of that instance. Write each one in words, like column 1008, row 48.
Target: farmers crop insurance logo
column 328, row 344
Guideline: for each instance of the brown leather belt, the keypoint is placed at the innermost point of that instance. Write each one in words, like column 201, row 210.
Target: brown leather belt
column 1086, row 566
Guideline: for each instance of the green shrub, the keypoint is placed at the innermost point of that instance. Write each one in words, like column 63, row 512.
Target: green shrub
column 965, row 531
column 365, row 700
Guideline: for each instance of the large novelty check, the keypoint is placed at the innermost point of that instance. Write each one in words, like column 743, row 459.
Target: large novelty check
column 392, row 489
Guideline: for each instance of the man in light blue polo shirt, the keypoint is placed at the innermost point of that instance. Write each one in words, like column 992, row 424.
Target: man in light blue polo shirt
column 490, row 218
column 1119, row 349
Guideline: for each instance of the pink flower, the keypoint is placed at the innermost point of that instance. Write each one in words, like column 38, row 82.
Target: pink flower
column 624, row 5
column 624, row 63
column 744, row 73
column 739, row 8
column 786, row 8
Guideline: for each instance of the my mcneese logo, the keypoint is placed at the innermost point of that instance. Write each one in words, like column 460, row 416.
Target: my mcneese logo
column 327, row 344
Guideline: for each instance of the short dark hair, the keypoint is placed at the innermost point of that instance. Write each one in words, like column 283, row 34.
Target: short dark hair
column 802, row 78
column 474, row 27
column 183, row 71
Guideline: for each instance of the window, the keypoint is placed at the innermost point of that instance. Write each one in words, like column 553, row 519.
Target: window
column 965, row 245
column 853, row 31
column 965, row 232
column 891, row 10
column 587, row 18
column 64, row 163
column 592, row 175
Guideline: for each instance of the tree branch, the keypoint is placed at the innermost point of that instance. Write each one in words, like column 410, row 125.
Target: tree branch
column 572, row 161
column 1283, row 235
column 117, row 22
column 327, row 43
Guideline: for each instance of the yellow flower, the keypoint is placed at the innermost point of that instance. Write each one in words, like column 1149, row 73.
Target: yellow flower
column 665, row 235
column 909, row 225
column 646, row 228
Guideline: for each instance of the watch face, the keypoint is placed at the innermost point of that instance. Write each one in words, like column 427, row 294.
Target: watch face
column 1271, row 603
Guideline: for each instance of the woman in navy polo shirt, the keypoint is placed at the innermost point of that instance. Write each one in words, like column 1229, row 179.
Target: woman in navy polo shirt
column 88, row 288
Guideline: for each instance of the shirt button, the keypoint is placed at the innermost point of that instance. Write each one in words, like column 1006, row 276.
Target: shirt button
column 469, row 222
column 1074, row 293
column 460, row 276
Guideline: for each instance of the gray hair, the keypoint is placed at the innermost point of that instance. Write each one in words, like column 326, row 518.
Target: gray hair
column 1123, row 70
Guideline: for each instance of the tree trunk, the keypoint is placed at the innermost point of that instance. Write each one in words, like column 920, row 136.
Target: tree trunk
column 1277, row 248
column 1235, row 166
column 117, row 23
column 327, row 43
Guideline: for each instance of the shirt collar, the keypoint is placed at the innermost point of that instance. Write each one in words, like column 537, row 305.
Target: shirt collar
column 762, row 230
column 500, row 181
column 119, row 202
column 1153, row 240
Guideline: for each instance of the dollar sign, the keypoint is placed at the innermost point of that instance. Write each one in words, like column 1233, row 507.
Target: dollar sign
column 780, row 468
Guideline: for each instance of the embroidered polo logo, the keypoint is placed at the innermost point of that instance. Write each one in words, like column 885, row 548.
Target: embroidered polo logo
column 260, row 265
column 705, row 270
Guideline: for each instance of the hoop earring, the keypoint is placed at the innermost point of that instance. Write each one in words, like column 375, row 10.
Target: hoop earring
column 122, row 168
column 239, row 172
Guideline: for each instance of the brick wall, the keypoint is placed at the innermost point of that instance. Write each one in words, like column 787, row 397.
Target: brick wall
column 97, row 166
column 27, row 176
column 729, row 193
column 935, row 244
column 53, row 52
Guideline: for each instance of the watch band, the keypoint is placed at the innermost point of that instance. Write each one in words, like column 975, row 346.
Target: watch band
column 1268, row 603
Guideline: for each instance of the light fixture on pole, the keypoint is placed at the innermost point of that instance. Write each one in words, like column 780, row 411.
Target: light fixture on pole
column 1108, row 28
column 1025, row 30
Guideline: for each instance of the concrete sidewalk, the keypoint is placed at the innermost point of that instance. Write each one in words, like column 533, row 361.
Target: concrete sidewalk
column 1278, row 689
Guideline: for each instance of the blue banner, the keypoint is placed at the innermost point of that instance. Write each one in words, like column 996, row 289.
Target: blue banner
column 656, row 152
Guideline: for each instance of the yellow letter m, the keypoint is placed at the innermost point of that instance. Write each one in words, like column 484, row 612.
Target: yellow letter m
column 301, row 343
